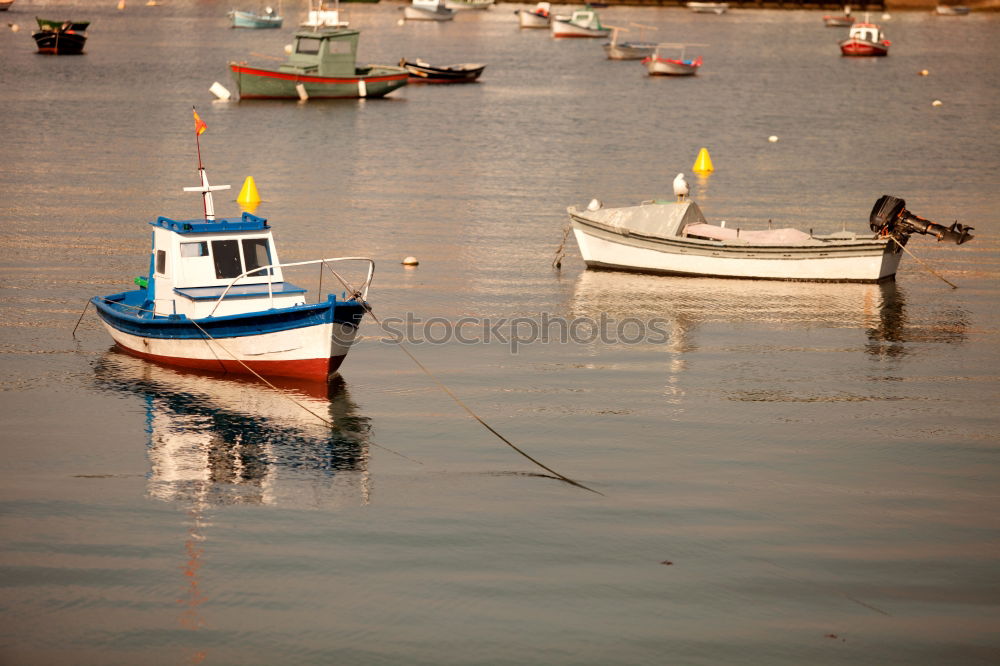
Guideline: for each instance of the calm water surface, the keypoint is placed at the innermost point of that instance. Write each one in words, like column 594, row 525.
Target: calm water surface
column 792, row 474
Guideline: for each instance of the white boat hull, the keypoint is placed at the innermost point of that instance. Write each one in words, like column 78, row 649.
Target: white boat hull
column 529, row 19
column 856, row 261
column 563, row 29
column 411, row 13
column 310, row 352
column 661, row 67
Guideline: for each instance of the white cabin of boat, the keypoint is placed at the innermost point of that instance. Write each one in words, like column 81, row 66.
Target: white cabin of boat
column 194, row 261
column 868, row 32
column 586, row 18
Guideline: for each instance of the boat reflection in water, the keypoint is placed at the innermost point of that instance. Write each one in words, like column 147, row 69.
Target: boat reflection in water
column 879, row 310
column 220, row 440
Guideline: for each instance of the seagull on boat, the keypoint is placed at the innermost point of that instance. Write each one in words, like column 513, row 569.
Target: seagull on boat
column 681, row 188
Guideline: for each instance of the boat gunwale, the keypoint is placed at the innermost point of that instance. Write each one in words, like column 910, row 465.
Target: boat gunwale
column 732, row 249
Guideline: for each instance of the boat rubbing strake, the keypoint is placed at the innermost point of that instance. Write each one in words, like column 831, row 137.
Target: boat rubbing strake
column 216, row 298
column 674, row 238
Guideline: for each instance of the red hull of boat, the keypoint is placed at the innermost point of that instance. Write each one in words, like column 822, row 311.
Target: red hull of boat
column 854, row 48
column 317, row 369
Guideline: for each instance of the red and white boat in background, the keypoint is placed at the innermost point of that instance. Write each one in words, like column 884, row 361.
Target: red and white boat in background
column 865, row 39
column 538, row 17
column 658, row 65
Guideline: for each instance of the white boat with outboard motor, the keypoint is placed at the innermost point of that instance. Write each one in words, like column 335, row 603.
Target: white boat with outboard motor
column 673, row 238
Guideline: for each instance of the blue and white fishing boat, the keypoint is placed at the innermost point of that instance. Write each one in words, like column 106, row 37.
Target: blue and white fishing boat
column 266, row 18
column 216, row 299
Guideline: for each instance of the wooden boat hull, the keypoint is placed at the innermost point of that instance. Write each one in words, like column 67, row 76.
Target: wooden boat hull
column 375, row 81
column 254, row 21
column 411, row 13
column 530, row 19
column 305, row 342
column 58, row 42
column 862, row 48
column 629, row 50
column 606, row 246
column 423, row 73
column 5, row 5
column 671, row 67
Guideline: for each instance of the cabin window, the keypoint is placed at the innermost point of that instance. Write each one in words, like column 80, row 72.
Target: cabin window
column 161, row 262
column 255, row 254
column 226, row 254
column 199, row 249
column 307, row 45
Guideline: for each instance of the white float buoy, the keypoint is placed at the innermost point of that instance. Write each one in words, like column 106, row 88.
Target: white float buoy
column 937, row 102
column 595, row 204
column 301, row 90
column 220, row 91
column 886, row 16
column 772, row 139
column 14, row 27
column 923, row 72
column 288, row 49
column 410, row 261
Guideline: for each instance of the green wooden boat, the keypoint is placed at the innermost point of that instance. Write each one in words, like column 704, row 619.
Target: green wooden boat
column 323, row 64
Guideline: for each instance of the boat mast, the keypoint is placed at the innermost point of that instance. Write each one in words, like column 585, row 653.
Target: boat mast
column 208, row 205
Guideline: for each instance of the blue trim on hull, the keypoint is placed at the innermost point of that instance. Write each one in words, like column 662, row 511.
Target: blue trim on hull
column 125, row 312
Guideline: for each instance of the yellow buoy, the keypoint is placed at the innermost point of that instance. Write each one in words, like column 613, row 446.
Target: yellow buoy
column 248, row 194
column 704, row 163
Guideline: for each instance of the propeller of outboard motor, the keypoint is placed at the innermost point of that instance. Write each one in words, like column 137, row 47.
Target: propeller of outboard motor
column 889, row 215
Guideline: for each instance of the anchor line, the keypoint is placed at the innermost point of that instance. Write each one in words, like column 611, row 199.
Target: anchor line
column 328, row 422
column 457, row 400
column 73, row 334
column 560, row 251
column 922, row 263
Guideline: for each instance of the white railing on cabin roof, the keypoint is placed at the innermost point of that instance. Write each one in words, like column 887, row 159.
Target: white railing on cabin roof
column 362, row 291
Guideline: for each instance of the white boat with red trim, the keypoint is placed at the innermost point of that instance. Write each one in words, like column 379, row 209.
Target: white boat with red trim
column 540, row 16
column 669, row 237
column 865, row 39
column 216, row 298
column 659, row 65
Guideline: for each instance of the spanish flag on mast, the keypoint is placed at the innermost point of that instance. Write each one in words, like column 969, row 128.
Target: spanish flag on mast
column 199, row 124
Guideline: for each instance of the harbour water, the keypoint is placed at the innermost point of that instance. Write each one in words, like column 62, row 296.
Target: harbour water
column 786, row 473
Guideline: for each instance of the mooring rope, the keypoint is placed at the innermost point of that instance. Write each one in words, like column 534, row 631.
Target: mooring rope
column 458, row 401
column 926, row 267
column 561, row 251
column 246, row 367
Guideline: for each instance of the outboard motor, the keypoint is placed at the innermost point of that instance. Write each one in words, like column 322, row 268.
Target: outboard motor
column 889, row 216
